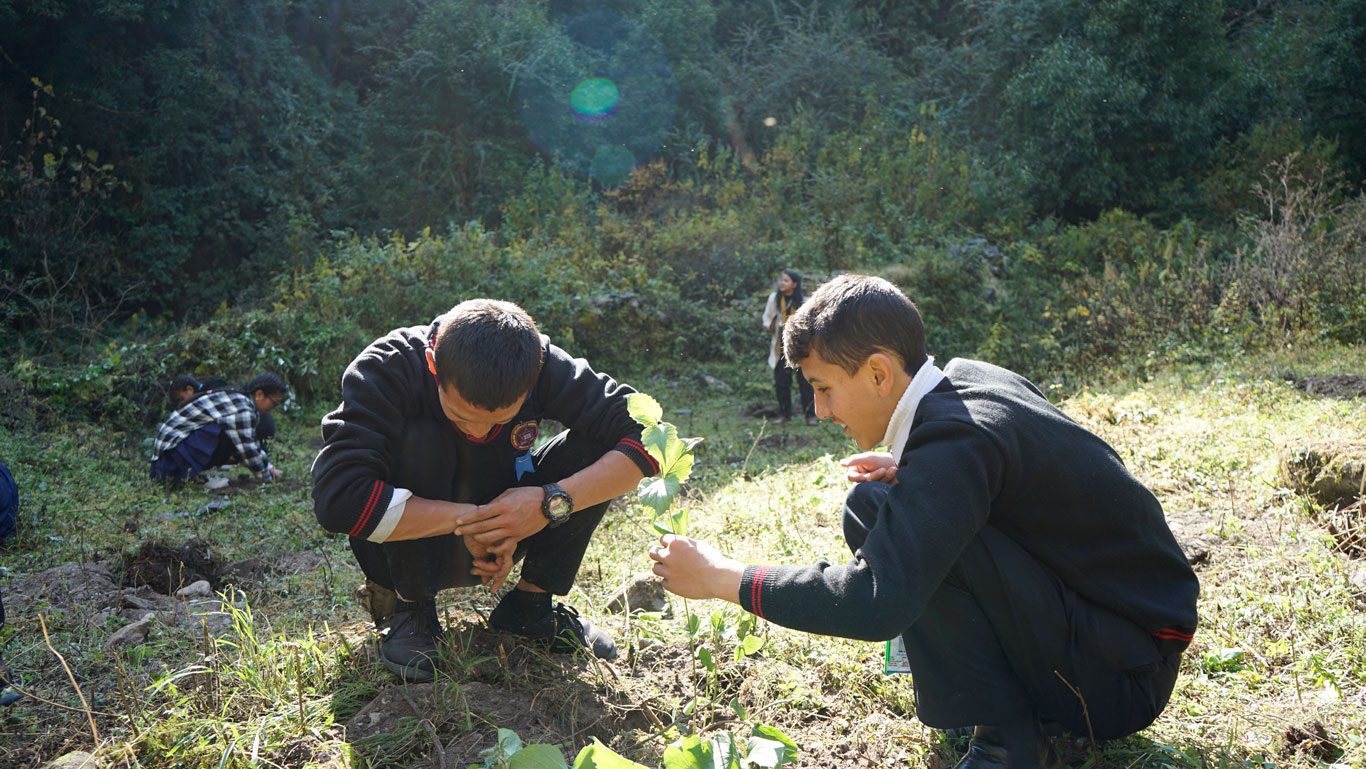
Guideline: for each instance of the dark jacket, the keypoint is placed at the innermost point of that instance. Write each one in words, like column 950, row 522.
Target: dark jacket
column 986, row 448
column 389, row 385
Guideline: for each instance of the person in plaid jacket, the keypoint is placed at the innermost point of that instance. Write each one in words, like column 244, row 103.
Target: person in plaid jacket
column 218, row 427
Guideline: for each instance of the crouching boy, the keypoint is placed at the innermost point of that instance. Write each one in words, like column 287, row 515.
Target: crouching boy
column 1031, row 577
column 431, row 465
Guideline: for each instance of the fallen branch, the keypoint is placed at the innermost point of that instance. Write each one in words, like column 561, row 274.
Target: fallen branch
column 90, row 716
column 1085, row 712
column 426, row 724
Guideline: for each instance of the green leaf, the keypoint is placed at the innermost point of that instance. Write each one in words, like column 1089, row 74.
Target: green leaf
column 724, row 754
column 680, row 468
column 658, row 493
column 508, row 743
column 537, row 757
column 751, row 644
column 692, row 625
column 688, row 753
column 658, row 440
column 765, row 752
column 599, row 756
column 704, row 656
column 678, row 521
column 774, row 733
column 644, row 409
column 739, row 709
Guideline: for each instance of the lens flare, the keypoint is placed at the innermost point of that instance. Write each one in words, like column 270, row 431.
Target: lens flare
column 597, row 95
column 611, row 165
column 594, row 98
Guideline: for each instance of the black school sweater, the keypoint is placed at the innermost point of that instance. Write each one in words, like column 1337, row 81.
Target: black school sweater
column 389, row 385
column 987, row 448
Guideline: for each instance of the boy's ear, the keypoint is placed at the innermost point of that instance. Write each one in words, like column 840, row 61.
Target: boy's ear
column 431, row 361
column 880, row 366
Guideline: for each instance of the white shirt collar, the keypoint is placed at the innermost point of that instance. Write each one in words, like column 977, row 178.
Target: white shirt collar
column 899, row 426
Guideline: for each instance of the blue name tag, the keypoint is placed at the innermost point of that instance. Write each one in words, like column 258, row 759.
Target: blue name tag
column 523, row 465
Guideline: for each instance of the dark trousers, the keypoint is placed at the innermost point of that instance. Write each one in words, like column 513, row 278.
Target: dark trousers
column 1004, row 639
column 782, row 384
column 435, row 464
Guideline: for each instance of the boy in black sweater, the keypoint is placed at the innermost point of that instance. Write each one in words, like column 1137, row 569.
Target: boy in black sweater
column 1030, row 576
column 430, row 465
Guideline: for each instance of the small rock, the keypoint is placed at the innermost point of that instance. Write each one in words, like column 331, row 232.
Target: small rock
column 75, row 760
column 131, row 635
column 642, row 592
column 1358, row 579
column 199, row 589
column 138, row 598
column 713, row 382
column 208, row 612
column 213, row 505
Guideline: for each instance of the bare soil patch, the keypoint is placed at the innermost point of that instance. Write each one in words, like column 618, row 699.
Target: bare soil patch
column 1340, row 386
column 166, row 568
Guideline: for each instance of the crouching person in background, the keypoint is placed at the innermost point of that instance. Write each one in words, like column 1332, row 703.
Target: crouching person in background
column 218, row 427
column 430, row 465
column 186, row 387
column 1030, row 576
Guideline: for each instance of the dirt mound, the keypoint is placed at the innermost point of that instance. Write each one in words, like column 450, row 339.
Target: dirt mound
column 1340, row 386
column 166, row 568
column 1313, row 740
column 1332, row 474
column 71, row 587
column 489, row 681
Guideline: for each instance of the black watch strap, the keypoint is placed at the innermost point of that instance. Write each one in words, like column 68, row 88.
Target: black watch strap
column 557, row 505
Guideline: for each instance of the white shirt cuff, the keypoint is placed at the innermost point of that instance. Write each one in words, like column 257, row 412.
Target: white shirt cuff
column 386, row 525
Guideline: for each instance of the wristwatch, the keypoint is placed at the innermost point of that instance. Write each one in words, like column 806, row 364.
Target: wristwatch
column 557, row 505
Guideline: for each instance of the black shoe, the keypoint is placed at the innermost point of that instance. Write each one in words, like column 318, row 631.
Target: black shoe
column 409, row 648
column 557, row 624
column 8, row 694
column 1009, row 748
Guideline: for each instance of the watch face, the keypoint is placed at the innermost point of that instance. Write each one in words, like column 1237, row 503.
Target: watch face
column 559, row 507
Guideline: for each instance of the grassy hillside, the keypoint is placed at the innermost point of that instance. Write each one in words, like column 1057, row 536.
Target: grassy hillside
column 1276, row 677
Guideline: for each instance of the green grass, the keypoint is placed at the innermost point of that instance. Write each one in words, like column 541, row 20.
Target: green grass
column 1282, row 641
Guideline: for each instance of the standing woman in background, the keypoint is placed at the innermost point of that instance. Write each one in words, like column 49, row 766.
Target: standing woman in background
column 781, row 304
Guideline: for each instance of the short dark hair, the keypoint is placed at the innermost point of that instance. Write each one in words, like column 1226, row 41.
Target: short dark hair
column 270, row 383
column 489, row 351
column 183, row 381
column 850, row 318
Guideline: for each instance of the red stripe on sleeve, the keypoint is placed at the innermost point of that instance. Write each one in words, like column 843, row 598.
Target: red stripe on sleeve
column 1173, row 634
column 639, row 447
column 369, row 509
column 756, row 590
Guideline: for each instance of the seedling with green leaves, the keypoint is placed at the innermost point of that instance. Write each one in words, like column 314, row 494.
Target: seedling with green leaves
column 675, row 459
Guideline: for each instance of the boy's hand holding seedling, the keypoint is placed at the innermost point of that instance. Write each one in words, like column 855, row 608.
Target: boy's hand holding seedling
column 694, row 569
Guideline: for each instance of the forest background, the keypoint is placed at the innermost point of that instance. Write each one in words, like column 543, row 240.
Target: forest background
column 1163, row 197
column 1064, row 186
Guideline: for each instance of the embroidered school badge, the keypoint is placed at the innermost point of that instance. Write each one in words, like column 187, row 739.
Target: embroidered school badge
column 524, row 435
